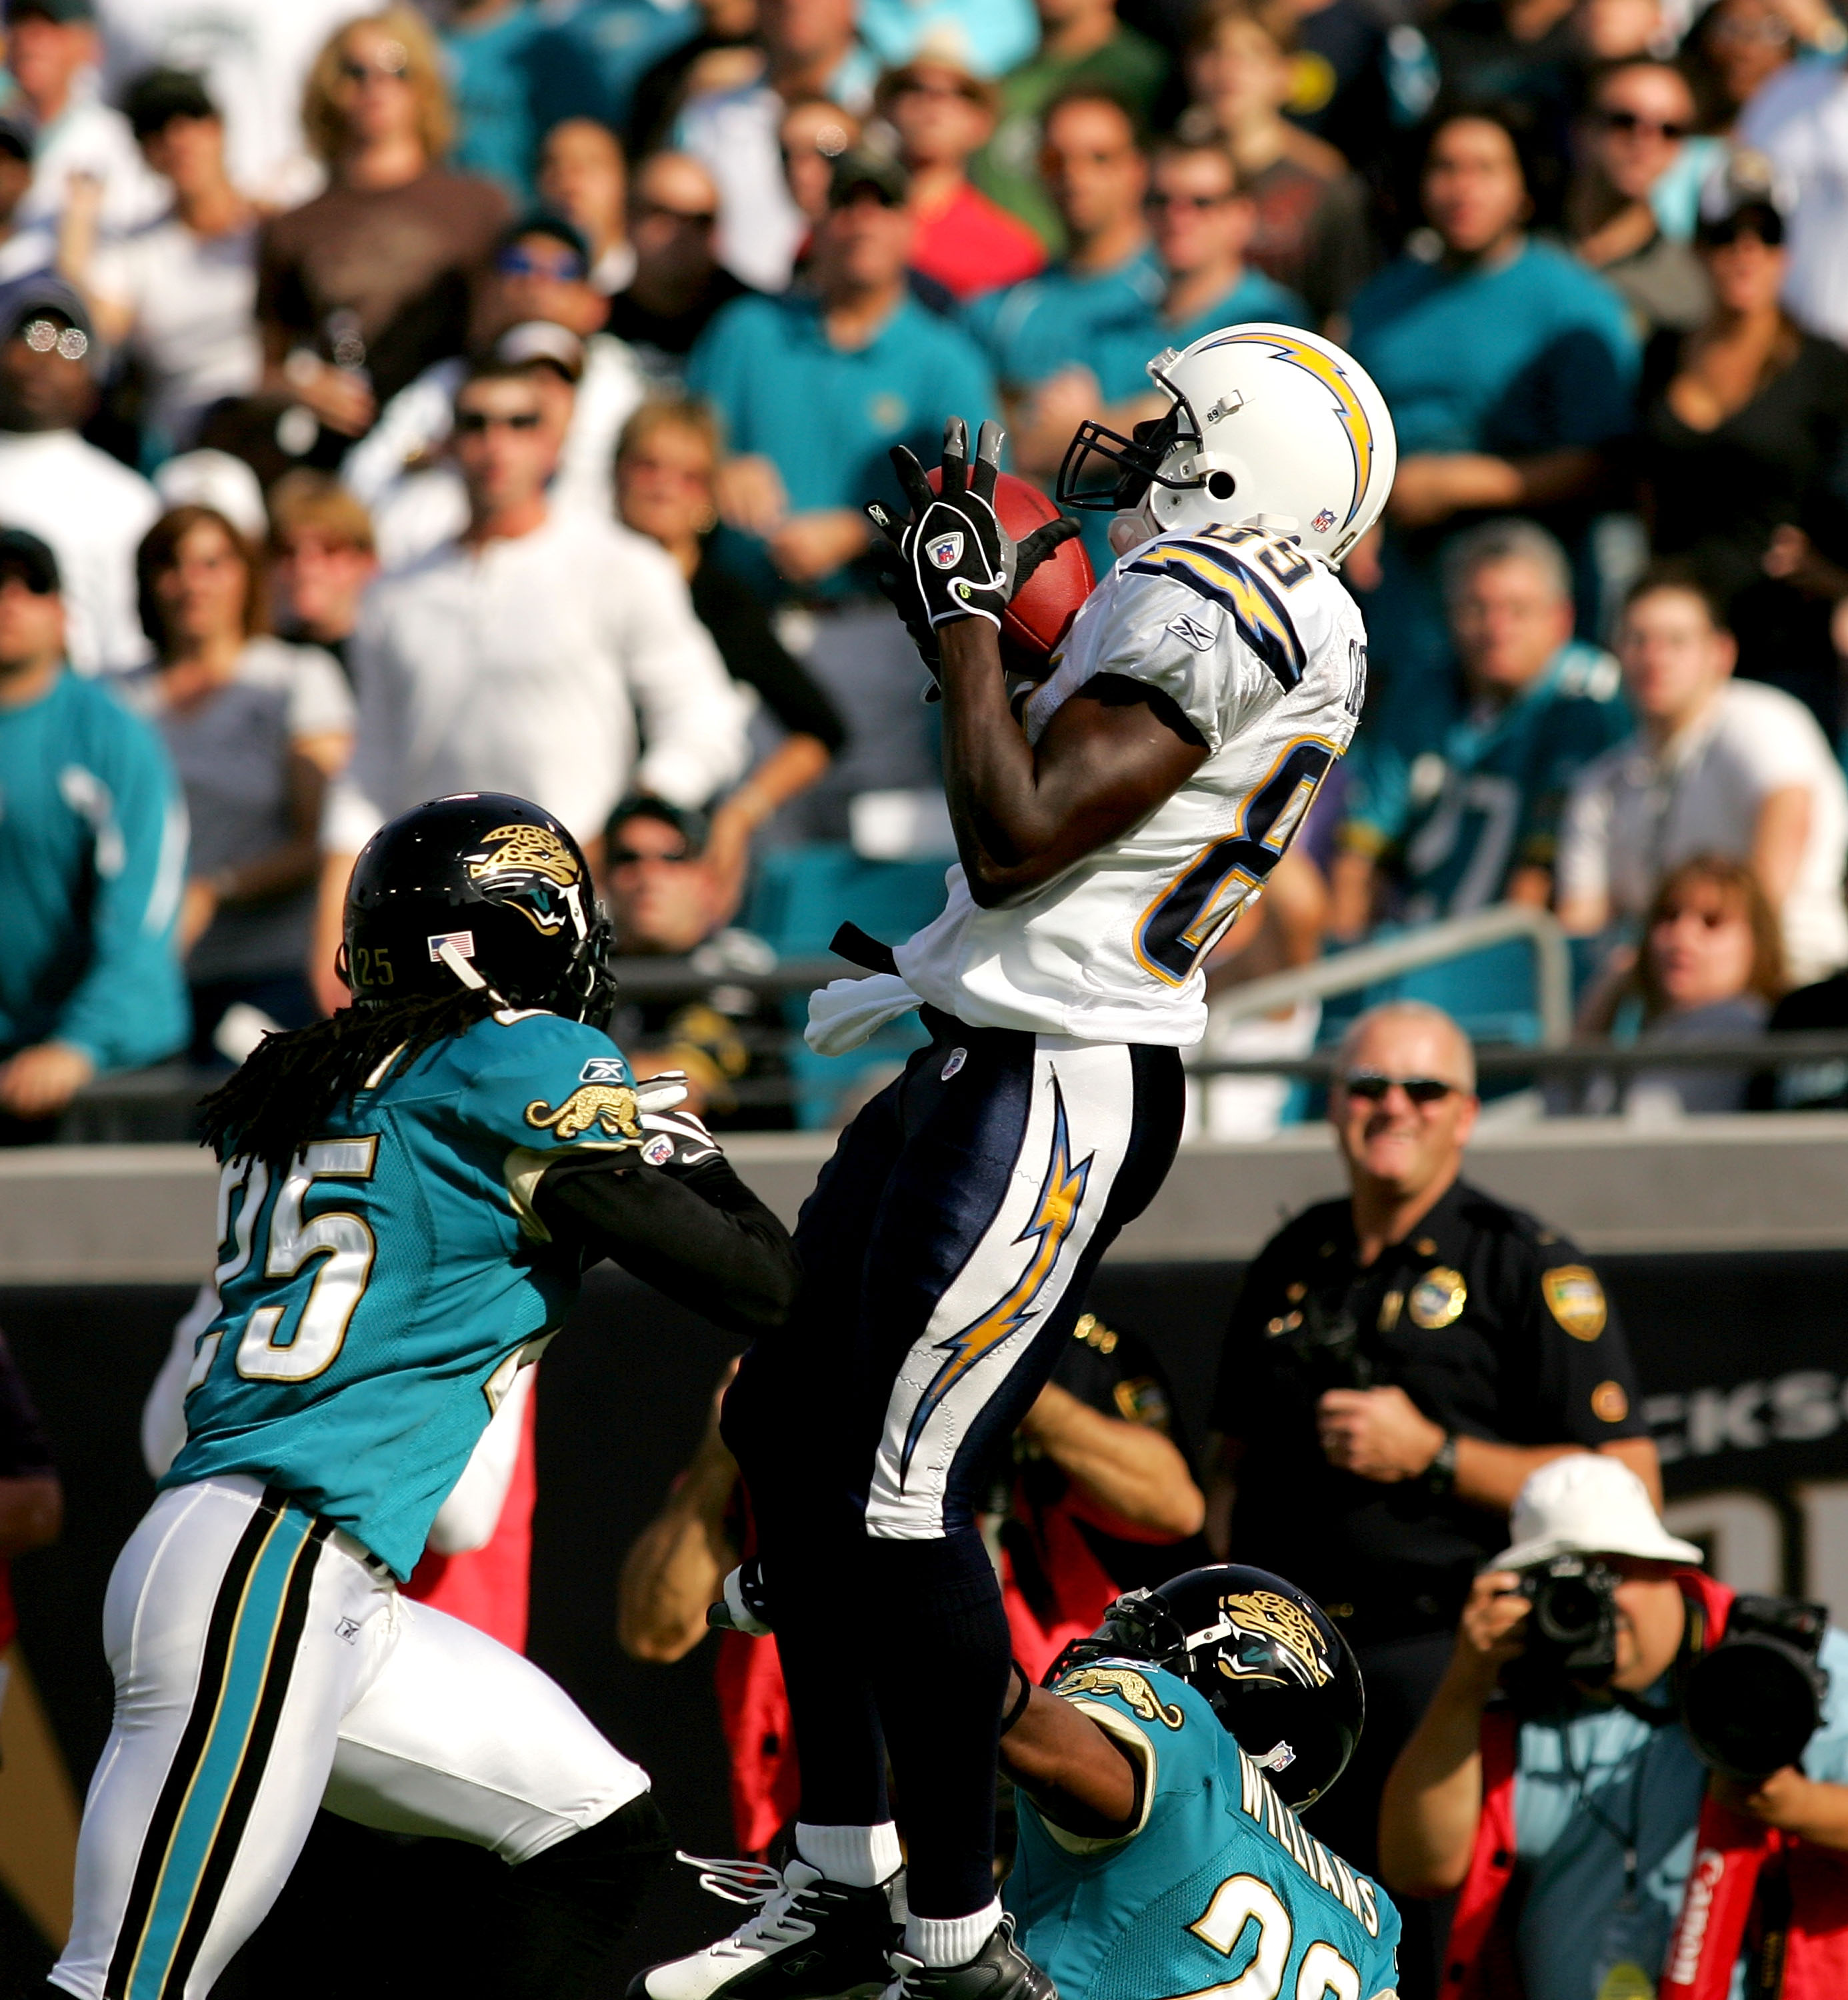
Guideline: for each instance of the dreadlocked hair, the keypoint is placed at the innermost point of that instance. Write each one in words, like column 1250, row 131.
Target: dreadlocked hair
column 282, row 1097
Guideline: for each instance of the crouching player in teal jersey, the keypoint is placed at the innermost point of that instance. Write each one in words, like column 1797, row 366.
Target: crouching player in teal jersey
column 411, row 1193
column 1159, row 1854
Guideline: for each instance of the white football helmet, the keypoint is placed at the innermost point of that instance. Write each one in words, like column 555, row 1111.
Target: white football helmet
column 1269, row 425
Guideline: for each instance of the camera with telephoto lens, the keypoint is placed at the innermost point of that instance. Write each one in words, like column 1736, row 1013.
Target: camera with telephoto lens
column 1570, row 1632
column 1751, row 1704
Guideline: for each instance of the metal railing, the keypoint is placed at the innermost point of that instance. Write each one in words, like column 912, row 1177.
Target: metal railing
column 1457, row 937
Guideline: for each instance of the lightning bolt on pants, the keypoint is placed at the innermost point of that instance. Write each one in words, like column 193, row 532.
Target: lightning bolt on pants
column 946, row 1252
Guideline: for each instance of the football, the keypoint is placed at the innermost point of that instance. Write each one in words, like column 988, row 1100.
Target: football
column 1034, row 625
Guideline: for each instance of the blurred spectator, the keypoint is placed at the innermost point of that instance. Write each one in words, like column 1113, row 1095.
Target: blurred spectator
column 32, row 1501
column 488, row 48
column 1507, row 367
column 1081, row 42
column 1097, row 176
column 667, row 900
column 943, row 112
column 178, row 295
column 1474, row 819
column 1341, row 77
column 730, row 122
column 208, row 477
column 814, row 132
column 666, row 477
column 255, row 729
column 91, row 509
column 723, row 36
column 584, row 178
column 1744, row 436
column 867, row 367
column 515, row 659
column 987, row 36
column 1522, row 54
column 255, row 57
column 1810, row 148
column 51, row 52
column 24, row 247
column 92, row 854
column 1711, row 966
column 371, row 281
column 1634, row 131
column 322, row 559
column 594, row 57
column 678, row 284
column 1200, row 219
column 1717, row 766
column 1819, row 42
column 544, row 311
column 1818, row 1084
column 1734, row 49
column 1313, row 232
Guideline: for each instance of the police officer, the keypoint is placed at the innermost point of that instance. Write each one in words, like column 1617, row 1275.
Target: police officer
column 1397, row 1364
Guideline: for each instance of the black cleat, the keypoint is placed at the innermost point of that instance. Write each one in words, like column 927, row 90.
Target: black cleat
column 1000, row 1970
column 810, row 1938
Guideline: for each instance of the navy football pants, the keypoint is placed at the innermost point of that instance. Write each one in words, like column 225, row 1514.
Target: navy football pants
column 944, row 1250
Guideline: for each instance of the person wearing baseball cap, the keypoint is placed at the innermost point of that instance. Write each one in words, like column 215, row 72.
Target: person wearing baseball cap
column 1552, row 1786
column 92, row 859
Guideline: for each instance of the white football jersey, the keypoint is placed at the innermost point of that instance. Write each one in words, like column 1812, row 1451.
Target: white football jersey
column 1265, row 654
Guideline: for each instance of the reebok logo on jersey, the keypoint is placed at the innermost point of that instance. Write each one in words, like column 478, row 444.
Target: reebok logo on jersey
column 946, row 551
column 604, row 1069
column 463, row 941
column 1190, row 632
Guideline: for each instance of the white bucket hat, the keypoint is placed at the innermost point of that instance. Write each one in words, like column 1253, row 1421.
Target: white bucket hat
column 1586, row 1504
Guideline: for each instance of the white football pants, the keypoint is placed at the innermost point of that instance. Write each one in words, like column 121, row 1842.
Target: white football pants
column 266, row 1665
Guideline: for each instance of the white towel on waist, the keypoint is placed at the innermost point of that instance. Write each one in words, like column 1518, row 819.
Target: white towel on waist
column 847, row 1012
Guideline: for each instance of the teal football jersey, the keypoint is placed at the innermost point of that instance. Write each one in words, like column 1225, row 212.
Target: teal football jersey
column 376, row 1299
column 1218, row 1890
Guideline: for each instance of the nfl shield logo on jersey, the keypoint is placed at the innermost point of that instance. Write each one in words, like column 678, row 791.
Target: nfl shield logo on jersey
column 946, row 551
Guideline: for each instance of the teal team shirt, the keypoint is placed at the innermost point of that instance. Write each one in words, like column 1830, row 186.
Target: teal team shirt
column 1218, row 1882
column 1487, row 796
column 377, row 1296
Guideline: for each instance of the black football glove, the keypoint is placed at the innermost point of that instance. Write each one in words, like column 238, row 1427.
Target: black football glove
column 952, row 558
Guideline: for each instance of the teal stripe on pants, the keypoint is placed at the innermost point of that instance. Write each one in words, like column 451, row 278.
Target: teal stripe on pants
column 247, row 1668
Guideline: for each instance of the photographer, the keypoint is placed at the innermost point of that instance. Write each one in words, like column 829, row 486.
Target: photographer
column 1555, row 1780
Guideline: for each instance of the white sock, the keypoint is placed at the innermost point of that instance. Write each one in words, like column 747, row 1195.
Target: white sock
column 950, row 1940
column 861, row 1856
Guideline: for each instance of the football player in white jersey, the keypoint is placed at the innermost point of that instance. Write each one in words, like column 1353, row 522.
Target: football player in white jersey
column 1109, row 829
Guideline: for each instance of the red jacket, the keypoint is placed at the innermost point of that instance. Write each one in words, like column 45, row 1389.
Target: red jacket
column 1734, row 1858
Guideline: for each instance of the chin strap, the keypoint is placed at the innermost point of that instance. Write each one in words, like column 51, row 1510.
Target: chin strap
column 466, row 973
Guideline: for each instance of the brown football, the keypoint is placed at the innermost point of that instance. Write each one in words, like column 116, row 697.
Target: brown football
column 1034, row 625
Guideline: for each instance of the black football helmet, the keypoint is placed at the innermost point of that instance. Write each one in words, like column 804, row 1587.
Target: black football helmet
column 499, row 881
column 1268, row 1659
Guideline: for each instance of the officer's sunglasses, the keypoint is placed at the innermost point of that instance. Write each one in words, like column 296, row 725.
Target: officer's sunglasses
column 1370, row 1084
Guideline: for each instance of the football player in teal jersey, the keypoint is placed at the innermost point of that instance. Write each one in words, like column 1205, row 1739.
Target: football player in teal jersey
column 1160, row 1853
column 411, row 1193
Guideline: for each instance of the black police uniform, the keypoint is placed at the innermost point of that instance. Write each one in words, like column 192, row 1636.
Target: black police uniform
column 1496, row 1328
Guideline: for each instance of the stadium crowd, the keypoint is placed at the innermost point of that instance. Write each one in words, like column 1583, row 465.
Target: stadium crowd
column 487, row 396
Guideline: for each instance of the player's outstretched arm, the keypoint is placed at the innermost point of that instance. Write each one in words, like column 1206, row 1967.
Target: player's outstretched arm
column 1079, row 1776
column 1024, row 812
column 690, row 1228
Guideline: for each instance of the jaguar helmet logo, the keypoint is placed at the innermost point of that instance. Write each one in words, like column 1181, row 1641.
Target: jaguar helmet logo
column 1287, row 1640
column 530, row 869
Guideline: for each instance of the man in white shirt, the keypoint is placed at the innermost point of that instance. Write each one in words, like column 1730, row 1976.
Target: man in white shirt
column 91, row 509
column 515, row 659
column 543, row 298
column 52, row 50
column 1809, row 150
column 1717, row 766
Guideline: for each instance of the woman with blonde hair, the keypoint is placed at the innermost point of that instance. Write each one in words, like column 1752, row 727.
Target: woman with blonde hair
column 1708, row 969
column 361, row 289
